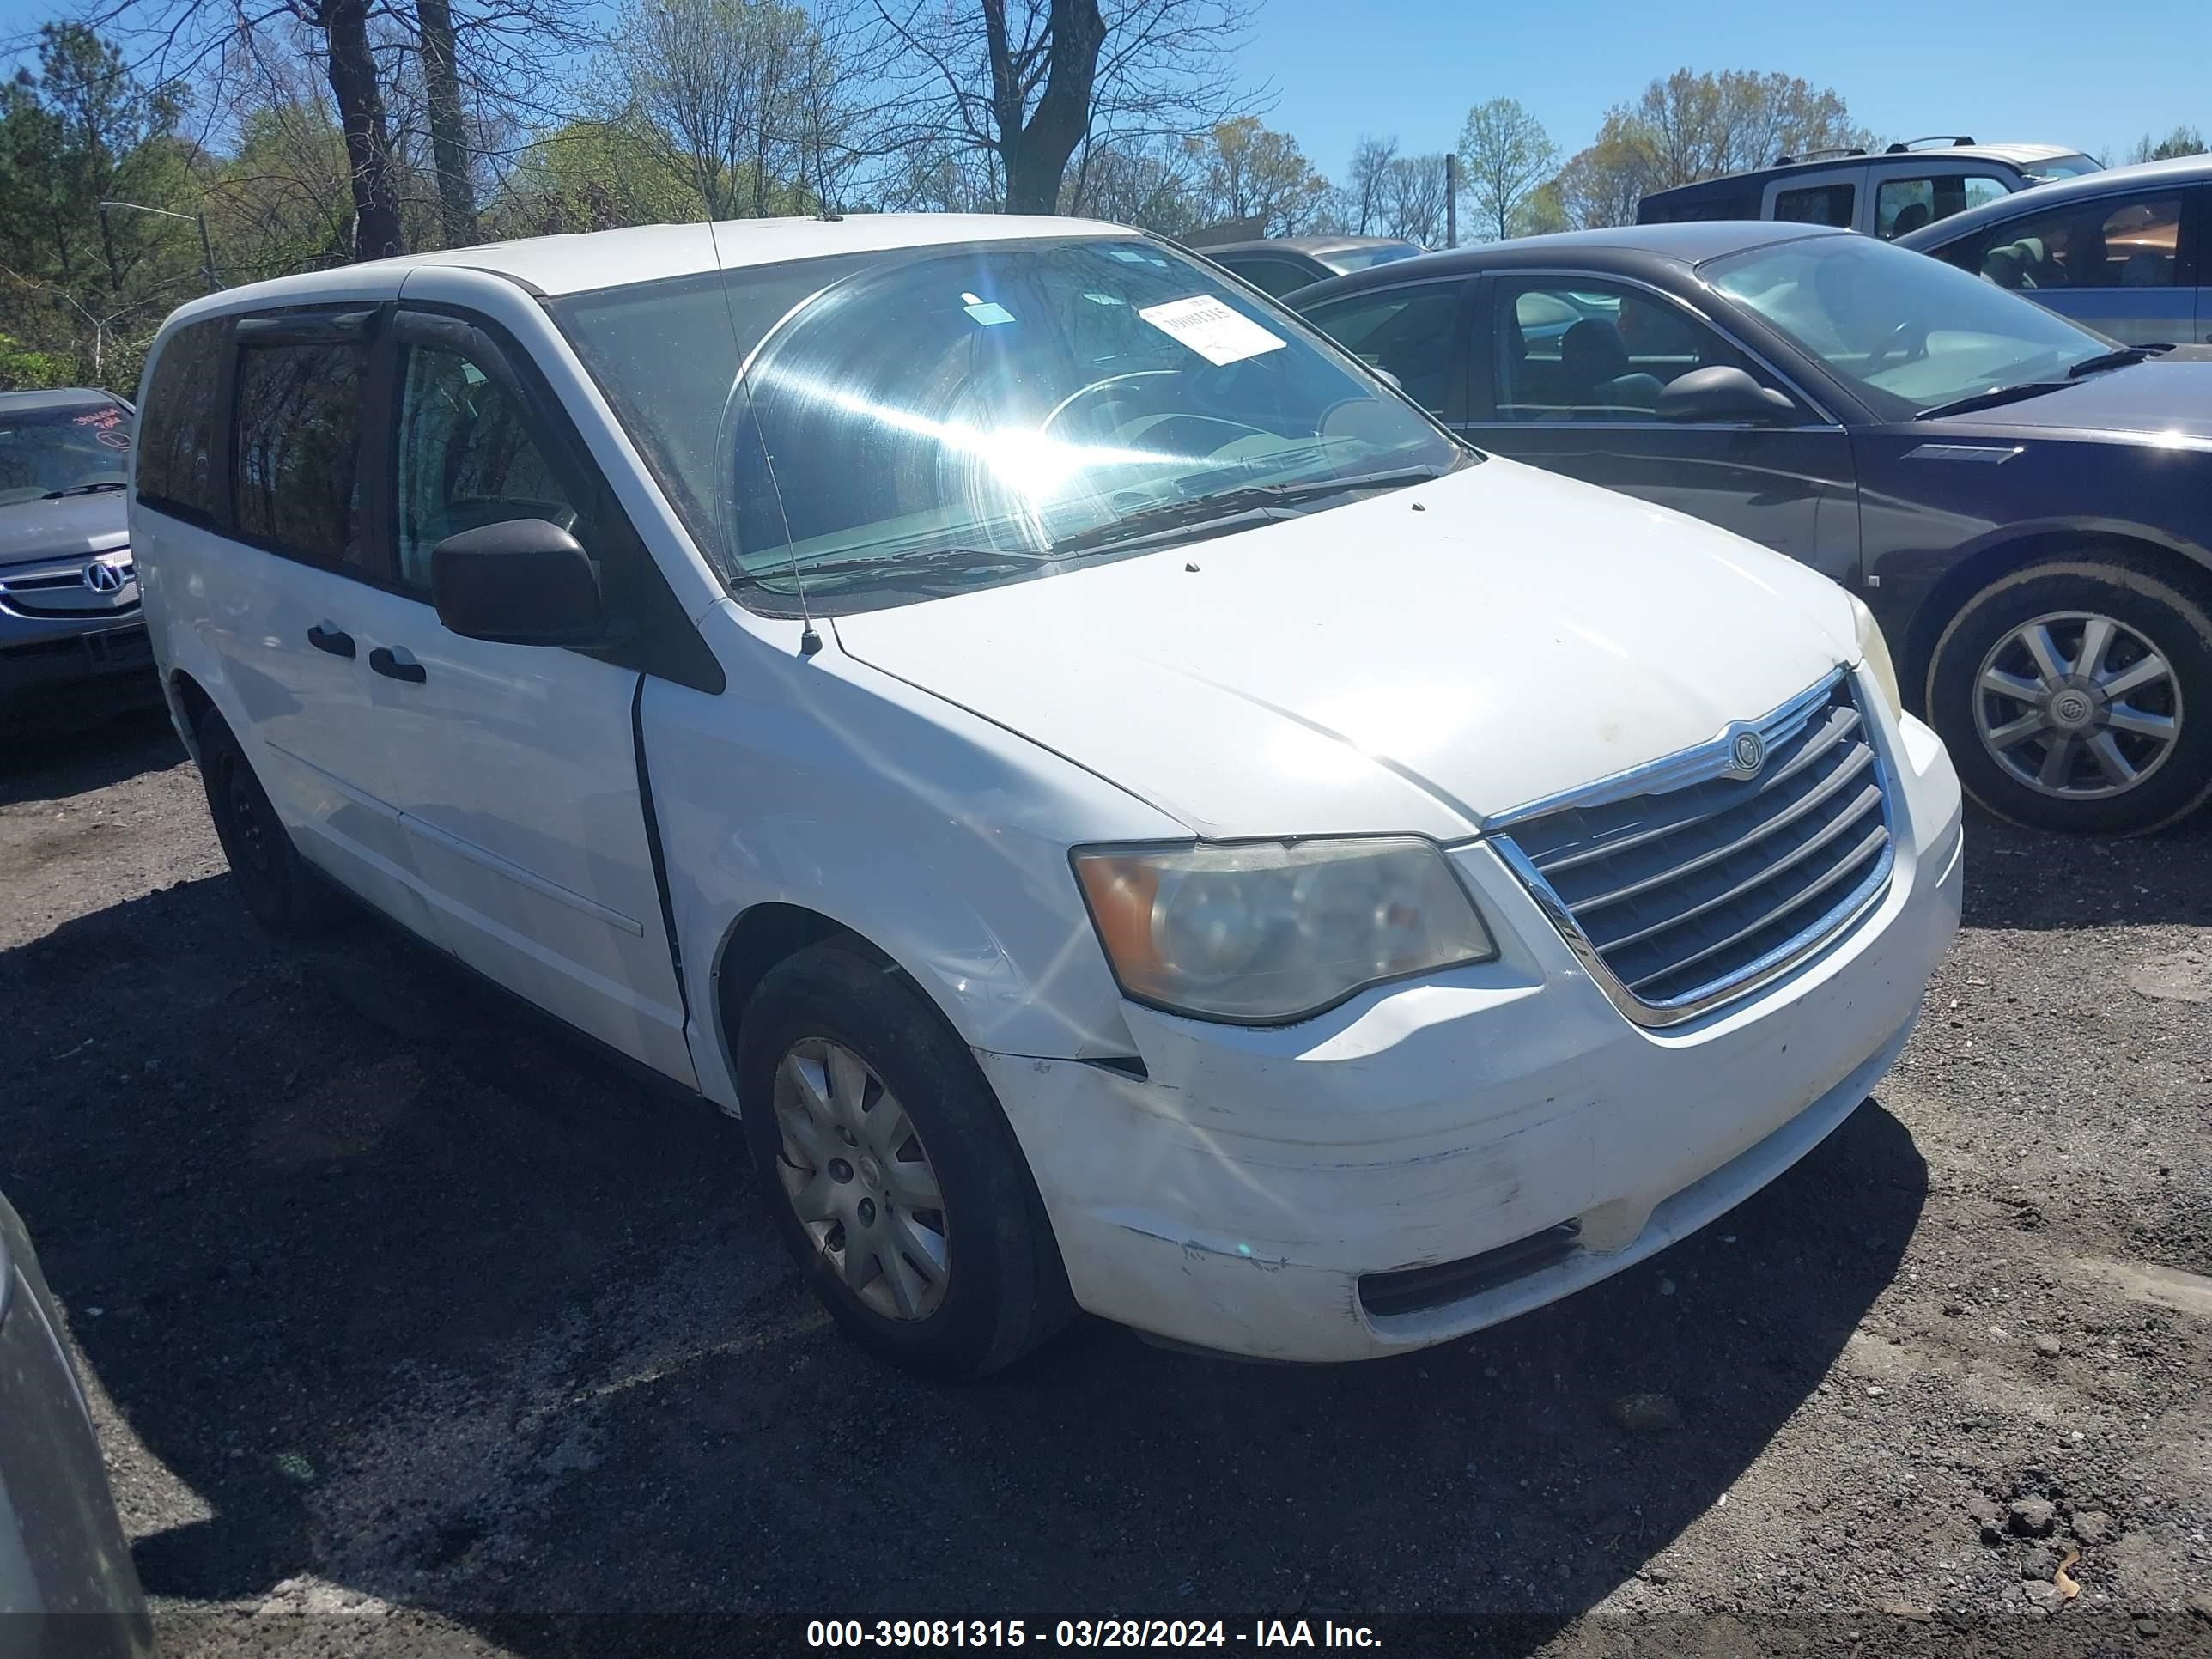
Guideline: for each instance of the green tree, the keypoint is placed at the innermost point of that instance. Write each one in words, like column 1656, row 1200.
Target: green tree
column 1504, row 154
column 2182, row 141
column 1253, row 172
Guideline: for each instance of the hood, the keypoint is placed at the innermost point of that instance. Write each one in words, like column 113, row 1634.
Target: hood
column 1376, row 668
column 76, row 526
column 2165, row 397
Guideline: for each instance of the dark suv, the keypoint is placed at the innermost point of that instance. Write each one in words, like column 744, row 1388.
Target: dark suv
column 1889, row 194
column 72, row 643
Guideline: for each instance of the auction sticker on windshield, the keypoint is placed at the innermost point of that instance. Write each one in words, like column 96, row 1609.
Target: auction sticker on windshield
column 1211, row 329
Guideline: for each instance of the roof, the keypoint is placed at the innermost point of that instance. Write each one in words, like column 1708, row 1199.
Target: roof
column 2089, row 187
column 23, row 403
column 1689, row 243
column 1318, row 246
column 644, row 254
column 2020, row 155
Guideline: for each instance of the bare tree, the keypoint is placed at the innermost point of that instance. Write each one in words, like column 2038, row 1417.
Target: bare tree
column 1413, row 199
column 1029, row 80
column 1504, row 154
column 1366, row 184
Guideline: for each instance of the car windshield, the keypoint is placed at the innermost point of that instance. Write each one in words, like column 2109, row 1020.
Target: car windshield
column 1905, row 331
column 913, row 423
column 1350, row 259
column 59, row 448
column 2060, row 167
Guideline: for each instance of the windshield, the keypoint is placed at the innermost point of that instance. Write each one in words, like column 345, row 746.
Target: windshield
column 63, row 447
column 939, row 419
column 1905, row 331
column 2060, row 167
column 1359, row 258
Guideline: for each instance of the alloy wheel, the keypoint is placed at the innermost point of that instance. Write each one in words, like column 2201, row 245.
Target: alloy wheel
column 861, row 1182
column 2078, row 705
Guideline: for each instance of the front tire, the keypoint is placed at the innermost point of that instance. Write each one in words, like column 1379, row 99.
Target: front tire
column 892, row 1174
column 2076, row 696
column 286, row 895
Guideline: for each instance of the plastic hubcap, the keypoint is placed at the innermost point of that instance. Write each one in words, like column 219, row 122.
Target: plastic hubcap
column 861, row 1182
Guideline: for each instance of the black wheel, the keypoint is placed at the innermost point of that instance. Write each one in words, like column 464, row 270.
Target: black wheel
column 891, row 1172
column 286, row 895
column 2077, row 696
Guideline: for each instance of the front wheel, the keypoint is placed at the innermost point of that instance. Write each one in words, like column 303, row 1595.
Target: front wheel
column 891, row 1172
column 2077, row 697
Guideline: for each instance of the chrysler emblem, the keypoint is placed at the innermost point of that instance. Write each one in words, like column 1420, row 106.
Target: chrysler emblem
column 1749, row 752
column 103, row 578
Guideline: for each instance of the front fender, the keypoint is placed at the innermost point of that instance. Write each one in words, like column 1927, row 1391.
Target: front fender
column 937, row 837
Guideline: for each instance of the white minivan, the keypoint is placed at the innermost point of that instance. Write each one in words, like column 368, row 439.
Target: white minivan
column 1131, row 814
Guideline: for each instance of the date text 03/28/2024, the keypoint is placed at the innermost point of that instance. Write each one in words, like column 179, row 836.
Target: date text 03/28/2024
column 1086, row 1633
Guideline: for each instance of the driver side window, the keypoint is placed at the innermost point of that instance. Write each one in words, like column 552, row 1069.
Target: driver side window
column 466, row 457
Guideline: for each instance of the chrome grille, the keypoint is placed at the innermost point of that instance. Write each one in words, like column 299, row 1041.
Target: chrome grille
column 1691, row 881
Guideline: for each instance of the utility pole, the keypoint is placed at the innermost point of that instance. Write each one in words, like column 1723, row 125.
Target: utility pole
column 207, row 249
column 1451, row 198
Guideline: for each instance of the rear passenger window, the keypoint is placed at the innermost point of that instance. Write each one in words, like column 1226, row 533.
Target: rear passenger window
column 298, row 444
column 176, row 426
column 1818, row 204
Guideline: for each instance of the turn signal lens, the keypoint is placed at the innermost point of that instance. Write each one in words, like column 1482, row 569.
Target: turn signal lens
column 1874, row 652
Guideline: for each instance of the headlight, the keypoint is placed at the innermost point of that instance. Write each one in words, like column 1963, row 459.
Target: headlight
column 1260, row 932
column 1874, row 651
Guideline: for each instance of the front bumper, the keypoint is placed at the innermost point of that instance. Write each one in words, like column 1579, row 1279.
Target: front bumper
column 50, row 671
column 1235, row 1196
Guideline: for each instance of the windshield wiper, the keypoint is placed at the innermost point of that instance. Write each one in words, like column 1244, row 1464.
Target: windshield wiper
column 1170, row 517
column 2121, row 359
column 80, row 490
column 914, row 561
column 1992, row 398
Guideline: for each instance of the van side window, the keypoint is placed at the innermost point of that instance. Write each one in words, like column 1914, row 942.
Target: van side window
column 466, row 457
column 176, row 426
column 1818, row 204
column 298, row 447
column 1902, row 206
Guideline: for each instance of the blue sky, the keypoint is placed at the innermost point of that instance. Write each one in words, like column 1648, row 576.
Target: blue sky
column 2055, row 70
column 2094, row 76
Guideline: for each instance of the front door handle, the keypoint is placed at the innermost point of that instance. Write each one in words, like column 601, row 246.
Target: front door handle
column 336, row 641
column 397, row 666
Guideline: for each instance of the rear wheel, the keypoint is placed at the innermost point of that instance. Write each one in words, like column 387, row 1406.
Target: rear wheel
column 893, row 1176
column 2078, row 697
column 286, row 895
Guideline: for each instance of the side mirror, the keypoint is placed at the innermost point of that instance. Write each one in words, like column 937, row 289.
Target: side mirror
column 1721, row 393
column 1382, row 373
column 523, row 582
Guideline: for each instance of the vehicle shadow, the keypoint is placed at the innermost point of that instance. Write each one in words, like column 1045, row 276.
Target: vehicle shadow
column 432, row 1310
column 2033, row 881
column 58, row 765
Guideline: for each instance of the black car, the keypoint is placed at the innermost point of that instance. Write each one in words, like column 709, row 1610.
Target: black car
column 67, row 1587
column 1283, row 265
column 2027, row 508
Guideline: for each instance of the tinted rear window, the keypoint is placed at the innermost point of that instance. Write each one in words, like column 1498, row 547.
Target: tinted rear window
column 177, row 424
column 298, row 442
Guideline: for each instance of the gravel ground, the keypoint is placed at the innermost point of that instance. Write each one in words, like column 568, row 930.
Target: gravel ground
column 405, row 1320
